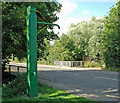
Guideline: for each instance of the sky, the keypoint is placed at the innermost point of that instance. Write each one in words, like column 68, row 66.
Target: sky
column 74, row 11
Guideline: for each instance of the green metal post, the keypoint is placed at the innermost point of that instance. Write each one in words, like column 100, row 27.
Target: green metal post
column 32, row 81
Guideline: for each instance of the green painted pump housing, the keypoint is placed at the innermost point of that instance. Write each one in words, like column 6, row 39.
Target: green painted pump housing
column 31, row 34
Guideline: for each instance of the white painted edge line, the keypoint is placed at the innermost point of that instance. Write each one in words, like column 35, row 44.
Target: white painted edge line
column 105, row 78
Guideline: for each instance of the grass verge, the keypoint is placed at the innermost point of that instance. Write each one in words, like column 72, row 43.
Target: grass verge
column 91, row 64
column 15, row 91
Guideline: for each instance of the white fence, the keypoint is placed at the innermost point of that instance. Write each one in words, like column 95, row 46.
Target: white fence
column 69, row 63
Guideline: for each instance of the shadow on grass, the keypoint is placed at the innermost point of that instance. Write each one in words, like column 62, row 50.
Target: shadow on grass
column 14, row 92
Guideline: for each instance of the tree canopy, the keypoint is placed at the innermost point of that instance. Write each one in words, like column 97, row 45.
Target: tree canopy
column 111, row 38
column 64, row 50
column 14, row 27
column 83, row 38
column 87, row 35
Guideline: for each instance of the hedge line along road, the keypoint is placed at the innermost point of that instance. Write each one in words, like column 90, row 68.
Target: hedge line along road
column 92, row 83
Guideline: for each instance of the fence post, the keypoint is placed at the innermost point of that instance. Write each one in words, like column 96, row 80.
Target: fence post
column 9, row 68
column 61, row 63
column 18, row 70
column 81, row 63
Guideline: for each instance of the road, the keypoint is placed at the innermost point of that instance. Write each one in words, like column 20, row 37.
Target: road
column 93, row 83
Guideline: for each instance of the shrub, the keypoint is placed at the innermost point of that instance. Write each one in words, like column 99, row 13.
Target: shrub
column 15, row 87
column 91, row 64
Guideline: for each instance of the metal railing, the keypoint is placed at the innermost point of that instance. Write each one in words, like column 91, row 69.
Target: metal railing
column 15, row 68
column 69, row 63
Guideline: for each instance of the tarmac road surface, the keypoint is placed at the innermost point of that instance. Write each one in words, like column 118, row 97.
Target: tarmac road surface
column 92, row 83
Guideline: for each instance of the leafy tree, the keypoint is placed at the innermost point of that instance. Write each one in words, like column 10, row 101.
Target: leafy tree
column 111, row 39
column 14, row 27
column 74, row 52
column 64, row 50
column 87, row 36
column 46, row 45
column 94, row 43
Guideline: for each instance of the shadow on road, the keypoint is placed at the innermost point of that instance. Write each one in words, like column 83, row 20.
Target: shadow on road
column 94, row 84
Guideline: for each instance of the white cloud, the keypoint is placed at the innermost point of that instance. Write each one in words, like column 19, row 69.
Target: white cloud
column 85, row 12
column 67, row 7
column 64, row 22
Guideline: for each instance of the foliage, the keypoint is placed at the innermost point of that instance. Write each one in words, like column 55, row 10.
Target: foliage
column 91, row 64
column 94, row 43
column 84, row 38
column 14, row 27
column 111, row 69
column 74, row 51
column 87, row 36
column 16, row 60
column 64, row 50
column 7, row 77
column 15, row 88
column 111, row 39
column 46, row 46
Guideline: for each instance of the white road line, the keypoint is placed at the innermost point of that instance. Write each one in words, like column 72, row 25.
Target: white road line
column 94, row 76
column 105, row 78
column 72, row 73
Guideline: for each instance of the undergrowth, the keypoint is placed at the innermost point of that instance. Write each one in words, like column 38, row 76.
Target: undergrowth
column 15, row 88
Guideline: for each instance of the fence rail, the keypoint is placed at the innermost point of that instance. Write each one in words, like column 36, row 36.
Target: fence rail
column 61, row 63
column 69, row 63
column 16, row 67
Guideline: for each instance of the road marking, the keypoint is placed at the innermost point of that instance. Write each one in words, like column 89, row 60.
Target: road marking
column 72, row 73
column 95, row 76
column 105, row 78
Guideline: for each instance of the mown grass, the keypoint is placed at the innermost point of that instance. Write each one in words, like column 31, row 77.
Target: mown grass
column 15, row 91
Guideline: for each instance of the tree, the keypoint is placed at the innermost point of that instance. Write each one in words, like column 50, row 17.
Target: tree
column 111, row 39
column 87, row 36
column 14, row 27
column 74, row 52
column 64, row 50
column 46, row 46
column 94, row 43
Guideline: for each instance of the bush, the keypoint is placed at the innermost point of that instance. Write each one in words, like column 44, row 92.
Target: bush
column 15, row 87
column 91, row 64
column 111, row 69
